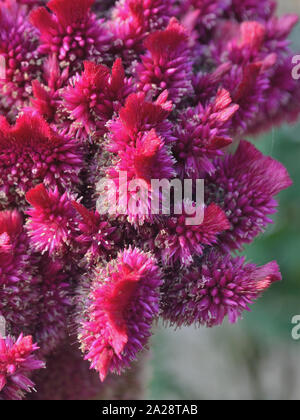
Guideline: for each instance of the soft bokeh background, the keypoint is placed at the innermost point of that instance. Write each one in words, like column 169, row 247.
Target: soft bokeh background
column 257, row 358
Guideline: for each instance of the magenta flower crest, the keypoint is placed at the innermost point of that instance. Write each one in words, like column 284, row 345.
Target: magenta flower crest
column 123, row 303
column 167, row 64
column 72, row 33
column 51, row 225
column 94, row 97
column 32, row 152
column 18, row 290
column 17, row 361
column 221, row 286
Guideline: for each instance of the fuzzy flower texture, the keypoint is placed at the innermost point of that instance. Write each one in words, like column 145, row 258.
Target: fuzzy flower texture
column 154, row 89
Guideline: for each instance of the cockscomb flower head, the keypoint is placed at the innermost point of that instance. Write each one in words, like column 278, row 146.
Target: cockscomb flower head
column 181, row 241
column 250, row 10
column 201, row 135
column 51, row 225
column 220, row 286
column 138, row 116
column 94, row 96
column 244, row 186
column 17, row 362
column 30, row 153
column 167, row 64
column 149, row 159
column 71, row 32
column 96, row 234
column 18, row 293
column 23, row 63
column 47, row 93
column 132, row 175
column 124, row 301
column 131, row 22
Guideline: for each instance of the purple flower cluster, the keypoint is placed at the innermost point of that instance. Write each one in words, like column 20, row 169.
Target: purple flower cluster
column 155, row 89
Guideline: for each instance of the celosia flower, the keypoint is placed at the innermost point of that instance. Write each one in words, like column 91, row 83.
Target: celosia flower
column 283, row 99
column 181, row 242
column 148, row 160
column 47, row 95
column 94, row 96
column 30, row 153
column 138, row 116
column 248, row 78
column 51, row 225
column 202, row 133
column 167, row 64
column 18, row 47
column 220, row 286
column 124, row 300
column 71, row 32
column 16, row 364
column 244, row 186
column 95, row 234
column 18, row 290
column 132, row 20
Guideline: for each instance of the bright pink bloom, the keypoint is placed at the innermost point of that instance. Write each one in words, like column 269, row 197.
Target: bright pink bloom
column 47, row 95
column 92, row 97
column 244, row 185
column 202, row 133
column 220, row 286
column 71, row 32
column 138, row 116
column 167, row 64
column 18, row 47
column 123, row 303
column 16, row 364
column 30, row 153
column 51, row 225
column 96, row 234
column 149, row 159
column 181, row 242
column 131, row 22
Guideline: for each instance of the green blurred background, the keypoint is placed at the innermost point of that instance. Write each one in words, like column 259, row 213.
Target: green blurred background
column 257, row 358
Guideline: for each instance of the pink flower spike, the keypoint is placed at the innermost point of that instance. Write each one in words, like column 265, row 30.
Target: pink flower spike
column 123, row 302
column 51, row 225
column 167, row 64
column 32, row 152
column 16, row 364
column 181, row 242
column 73, row 34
